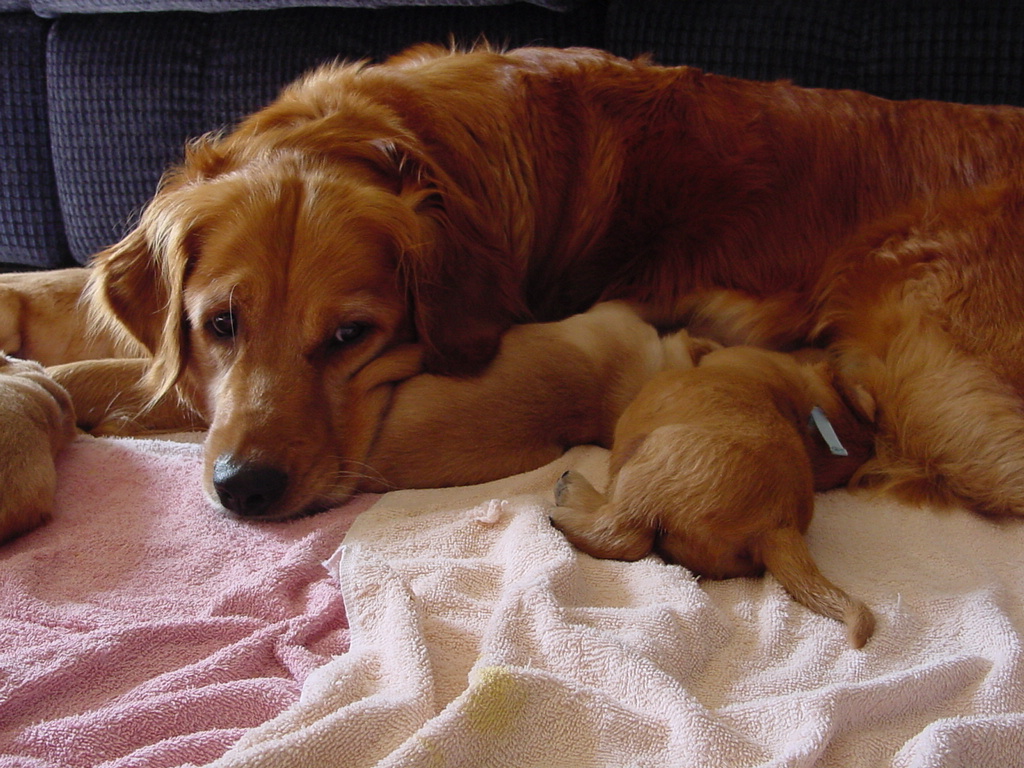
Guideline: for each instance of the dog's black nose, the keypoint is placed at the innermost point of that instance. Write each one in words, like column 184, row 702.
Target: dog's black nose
column 248, row 489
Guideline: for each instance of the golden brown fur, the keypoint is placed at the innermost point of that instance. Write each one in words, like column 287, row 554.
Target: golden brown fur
column 376, row 221
column 551, row 386
column 716, row 467
column 38, row 421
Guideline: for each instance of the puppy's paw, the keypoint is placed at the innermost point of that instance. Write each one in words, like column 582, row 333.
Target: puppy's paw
column 564, row 514
column 36, row 422
column 563, row 488
column 574, row 490
column 594, row 526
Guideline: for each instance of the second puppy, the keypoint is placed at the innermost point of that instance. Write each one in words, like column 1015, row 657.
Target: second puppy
column 715, row 468
column 551, row 386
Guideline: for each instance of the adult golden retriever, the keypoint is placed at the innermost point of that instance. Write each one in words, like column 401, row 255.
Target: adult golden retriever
column 378, row 220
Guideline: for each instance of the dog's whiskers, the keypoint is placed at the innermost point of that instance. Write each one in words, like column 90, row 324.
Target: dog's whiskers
column 362, row 471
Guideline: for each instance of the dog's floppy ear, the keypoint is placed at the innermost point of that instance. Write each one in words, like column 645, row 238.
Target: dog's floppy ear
column 460, row 278
column 125, row 286
column 138, row 284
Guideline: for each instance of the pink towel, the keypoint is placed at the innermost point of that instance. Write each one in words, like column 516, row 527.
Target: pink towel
column 142, row 626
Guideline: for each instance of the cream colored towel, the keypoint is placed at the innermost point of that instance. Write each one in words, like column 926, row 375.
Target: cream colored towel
column 480, row 637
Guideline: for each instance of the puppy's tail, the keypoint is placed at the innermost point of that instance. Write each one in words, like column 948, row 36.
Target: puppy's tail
column 787, row 557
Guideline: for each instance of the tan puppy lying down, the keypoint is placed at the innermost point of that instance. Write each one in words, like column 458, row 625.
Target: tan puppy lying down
column 715, row 468
column 551, row 386
column 37, row 421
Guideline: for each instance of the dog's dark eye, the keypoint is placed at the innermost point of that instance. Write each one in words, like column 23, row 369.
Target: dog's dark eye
column 349, row 333
column 223, row 325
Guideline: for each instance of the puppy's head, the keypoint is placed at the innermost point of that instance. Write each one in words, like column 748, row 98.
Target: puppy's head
column 284, row 277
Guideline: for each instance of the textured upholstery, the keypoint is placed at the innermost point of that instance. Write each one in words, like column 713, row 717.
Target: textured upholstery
column 31, row 228
column 968, row 52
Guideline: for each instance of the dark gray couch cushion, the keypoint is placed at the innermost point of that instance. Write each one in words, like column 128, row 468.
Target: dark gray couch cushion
column 31, row 228
column 966, row 52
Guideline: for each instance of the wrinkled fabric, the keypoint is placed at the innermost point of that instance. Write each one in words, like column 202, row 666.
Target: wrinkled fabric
column 144, row 627
column 480, row 637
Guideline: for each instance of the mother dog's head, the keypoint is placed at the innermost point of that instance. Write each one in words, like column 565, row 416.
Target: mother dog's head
column 287, row 274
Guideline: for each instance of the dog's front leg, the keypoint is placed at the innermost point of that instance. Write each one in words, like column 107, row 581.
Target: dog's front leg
column 115, row 397
column 44, row 317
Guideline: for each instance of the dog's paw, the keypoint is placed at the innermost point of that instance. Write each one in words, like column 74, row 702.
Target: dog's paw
column 574, row 490
column 36, row 422
column 562, row 512
column 563, row 488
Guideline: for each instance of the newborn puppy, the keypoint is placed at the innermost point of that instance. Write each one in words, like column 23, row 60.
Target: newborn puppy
column 36, row 421
column 715, row 468
column 551, row 386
